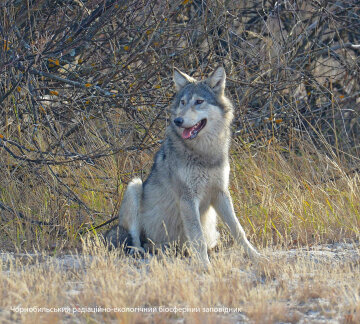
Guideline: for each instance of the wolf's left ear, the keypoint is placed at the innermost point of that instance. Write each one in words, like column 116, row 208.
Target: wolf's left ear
column 217, row 80
column 181, row 79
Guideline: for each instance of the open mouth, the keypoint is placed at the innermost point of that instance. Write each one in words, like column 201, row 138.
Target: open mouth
column 191, row 132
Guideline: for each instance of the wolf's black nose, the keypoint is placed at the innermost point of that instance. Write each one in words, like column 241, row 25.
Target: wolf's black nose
column 178, row 121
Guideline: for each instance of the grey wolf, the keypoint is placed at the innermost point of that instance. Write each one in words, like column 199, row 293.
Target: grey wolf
column 188, row 185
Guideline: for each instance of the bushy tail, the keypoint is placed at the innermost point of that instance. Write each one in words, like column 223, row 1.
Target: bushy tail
column 118, row 236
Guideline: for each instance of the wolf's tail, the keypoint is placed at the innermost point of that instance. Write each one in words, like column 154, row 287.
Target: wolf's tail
column 130, row 210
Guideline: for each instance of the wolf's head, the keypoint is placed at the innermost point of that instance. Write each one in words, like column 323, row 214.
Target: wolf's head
column 200, row 107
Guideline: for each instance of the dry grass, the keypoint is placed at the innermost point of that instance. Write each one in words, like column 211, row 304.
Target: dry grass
column 284, row 201
column 290, row 198
column 303, row 285
column 281, row 196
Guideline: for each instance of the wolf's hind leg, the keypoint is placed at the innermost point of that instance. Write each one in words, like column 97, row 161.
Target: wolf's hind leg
column 129, row 214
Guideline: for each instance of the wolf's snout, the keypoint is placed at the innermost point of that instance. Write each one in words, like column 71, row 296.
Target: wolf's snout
column 178, row 121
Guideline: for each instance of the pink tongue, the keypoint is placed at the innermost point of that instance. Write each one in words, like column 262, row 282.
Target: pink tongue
column 187, row 132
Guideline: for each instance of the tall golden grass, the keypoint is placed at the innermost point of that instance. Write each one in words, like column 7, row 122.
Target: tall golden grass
column 281, row 196
column 284, row 200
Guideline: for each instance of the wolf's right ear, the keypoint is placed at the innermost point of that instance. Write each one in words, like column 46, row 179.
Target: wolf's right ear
column 181, row 79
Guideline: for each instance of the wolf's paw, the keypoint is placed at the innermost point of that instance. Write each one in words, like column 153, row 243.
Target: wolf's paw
column 205, row 266
column 137, row 251
column 198, row 264
column 260, row 259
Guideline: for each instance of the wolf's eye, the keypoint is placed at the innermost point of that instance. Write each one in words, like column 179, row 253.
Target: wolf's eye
column 199, row 102
column 182, row 102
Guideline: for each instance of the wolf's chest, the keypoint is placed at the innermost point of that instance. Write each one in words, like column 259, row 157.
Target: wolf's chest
column 202, row 181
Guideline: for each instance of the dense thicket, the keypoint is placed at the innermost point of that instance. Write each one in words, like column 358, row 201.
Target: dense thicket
column 82, row 80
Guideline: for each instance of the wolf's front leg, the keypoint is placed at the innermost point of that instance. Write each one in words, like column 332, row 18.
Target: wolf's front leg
column 225, row 209
column 189, row 211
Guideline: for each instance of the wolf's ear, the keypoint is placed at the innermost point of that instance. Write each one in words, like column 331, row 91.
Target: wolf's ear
column 216, row 80
column 181, row 79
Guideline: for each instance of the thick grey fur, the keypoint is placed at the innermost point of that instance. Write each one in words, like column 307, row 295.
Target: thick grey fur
column 188, row 184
